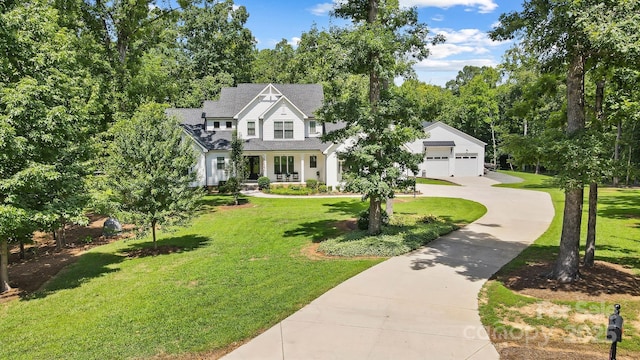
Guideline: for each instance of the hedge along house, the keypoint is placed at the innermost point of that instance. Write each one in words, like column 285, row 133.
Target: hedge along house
column 277, row 124
column 448, row 152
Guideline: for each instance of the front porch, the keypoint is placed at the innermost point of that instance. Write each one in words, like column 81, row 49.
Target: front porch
column 286, row 168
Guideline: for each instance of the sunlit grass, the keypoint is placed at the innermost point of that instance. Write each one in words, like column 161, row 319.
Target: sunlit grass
column 241, row 271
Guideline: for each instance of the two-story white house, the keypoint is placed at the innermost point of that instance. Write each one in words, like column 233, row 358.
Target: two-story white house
column 280, row 132
column 282, row 137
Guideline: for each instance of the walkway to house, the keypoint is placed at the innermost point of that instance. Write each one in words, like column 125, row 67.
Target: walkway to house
column 422, row 305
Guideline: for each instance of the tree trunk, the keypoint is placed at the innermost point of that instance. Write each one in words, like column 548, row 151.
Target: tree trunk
column 629, row 166
column 389, row 206
column 375, row 216
column 495, row 147
column 153, row 232
column 4, row 266
column 616, row 152
column 566, row 268
column 590, row 249
column 22, row 253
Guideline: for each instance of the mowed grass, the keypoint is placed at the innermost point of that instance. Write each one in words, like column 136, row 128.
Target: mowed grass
column 420, row 180
column 241, row 271
column 617, row 242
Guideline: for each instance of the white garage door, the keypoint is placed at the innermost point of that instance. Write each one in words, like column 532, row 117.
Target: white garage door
column 437, row 162
column 466, row 165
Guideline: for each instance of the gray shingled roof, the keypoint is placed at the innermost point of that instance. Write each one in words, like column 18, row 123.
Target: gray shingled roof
column 306, row 144
column 210, row 140
column 307, row 97
column 439, row 143
column 187, row 115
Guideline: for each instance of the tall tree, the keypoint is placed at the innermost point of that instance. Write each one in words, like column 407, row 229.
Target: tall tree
column 47, row 114
column 216, row 40
column 237, row 168
column 378, row 46
column 149, row 170
column 565, row 34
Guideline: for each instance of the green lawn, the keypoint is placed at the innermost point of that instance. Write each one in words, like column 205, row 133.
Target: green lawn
column 242, row 271
column 420, row 180
column 618, row 231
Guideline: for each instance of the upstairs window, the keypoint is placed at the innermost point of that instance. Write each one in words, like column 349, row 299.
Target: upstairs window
column 216, row 124
column 312, row 127
column 283, row 130
column 229, row 125
column 251, row 128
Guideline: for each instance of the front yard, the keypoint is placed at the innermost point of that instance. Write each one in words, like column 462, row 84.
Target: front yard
column 238, row 271
column 528, row 316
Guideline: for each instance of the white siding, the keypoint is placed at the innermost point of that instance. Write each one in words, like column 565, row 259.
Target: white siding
column 282, row 112
column 213, row 174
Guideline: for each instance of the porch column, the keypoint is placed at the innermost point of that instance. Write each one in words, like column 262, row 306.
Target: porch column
column 302, row 179
column 264, row 165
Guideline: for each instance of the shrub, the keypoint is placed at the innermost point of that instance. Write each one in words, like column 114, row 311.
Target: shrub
column 363, row 219
column 231, row 186
column 292, row 190
column 312, row 184
column 322, row 188
column 432, row 219
column 264, row 183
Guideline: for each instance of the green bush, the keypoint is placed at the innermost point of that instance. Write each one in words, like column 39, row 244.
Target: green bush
column 394, row 240
column 322, row 188
column 231, row 186
column 264, row 183
column 312, row 184
column 363, row 219
column 292, row 190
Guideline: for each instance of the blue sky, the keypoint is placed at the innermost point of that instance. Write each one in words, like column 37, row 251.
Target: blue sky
column 463, row 22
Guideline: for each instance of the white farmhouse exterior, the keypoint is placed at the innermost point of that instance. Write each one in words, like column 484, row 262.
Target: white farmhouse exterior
column 282, row 138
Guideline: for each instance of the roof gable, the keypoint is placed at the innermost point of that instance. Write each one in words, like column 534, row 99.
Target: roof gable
column 280, row 101
column 233, row 100
column 451, row 129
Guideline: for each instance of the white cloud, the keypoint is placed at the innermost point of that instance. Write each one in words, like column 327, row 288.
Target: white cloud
column 444, row 51
column 474, row 37
column 295, row 41
column 452, row 65
column 322, row 9
column 438, row 17
column 483, row 6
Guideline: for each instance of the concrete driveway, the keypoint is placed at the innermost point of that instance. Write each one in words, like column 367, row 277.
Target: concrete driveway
column 422, row 305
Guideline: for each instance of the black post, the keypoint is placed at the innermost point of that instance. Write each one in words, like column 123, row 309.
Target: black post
column 614, row 331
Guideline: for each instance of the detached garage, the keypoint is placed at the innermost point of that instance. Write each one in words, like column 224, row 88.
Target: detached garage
column 448, row 152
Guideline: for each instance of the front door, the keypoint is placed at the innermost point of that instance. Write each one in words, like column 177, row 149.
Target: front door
column 254, row 167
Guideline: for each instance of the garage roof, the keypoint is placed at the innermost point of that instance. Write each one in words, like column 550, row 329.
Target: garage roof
column 439, row 143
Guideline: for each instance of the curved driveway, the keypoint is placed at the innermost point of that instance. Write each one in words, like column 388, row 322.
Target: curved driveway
column 421, row 305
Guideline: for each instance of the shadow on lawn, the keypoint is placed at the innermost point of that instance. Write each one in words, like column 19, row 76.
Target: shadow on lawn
column 96, row 264
column 348, row 208
column 624, row 205
column 317, row 231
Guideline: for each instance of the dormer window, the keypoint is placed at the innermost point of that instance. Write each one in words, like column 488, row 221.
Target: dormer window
column 251, row 128
column 312, row 127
